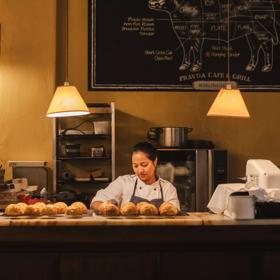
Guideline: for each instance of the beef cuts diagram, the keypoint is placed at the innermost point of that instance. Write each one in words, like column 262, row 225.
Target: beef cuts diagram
column 173, row 44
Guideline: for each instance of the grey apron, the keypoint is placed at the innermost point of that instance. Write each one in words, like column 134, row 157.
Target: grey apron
column 137, row 199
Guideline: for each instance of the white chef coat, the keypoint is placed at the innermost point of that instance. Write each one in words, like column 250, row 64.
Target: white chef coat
column 122, row 188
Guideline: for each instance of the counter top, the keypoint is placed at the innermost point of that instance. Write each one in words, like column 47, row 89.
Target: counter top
column 192, row 219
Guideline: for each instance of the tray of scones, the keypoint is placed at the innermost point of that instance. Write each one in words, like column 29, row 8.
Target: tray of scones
column 142, row 210
column 42, row 210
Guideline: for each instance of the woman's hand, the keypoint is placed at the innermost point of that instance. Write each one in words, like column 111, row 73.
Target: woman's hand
column 168, row 209
column 95, row 206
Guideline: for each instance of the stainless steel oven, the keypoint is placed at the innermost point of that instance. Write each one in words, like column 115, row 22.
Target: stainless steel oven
column 194, row 172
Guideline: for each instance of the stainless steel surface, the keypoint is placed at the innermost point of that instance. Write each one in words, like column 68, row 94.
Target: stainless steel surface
column 169, row 136
column 210, row 174
column 113, row 144
column 202, row 197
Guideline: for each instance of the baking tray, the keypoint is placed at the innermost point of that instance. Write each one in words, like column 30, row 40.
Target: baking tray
column 141, row 217
column 138, row 217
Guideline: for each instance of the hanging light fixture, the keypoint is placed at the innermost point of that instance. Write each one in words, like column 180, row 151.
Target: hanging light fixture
column 67, row 101
column 229, row 101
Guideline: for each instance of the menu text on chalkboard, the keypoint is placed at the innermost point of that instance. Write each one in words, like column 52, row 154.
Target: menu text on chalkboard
column 176, row 44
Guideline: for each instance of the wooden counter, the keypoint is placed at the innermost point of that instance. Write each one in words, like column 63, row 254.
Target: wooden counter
column 198, row 246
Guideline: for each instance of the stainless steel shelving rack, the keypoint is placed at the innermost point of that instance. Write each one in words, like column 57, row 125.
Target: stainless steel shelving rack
column 81, row 130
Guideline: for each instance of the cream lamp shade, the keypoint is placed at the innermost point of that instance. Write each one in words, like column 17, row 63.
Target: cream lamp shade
column 229, row 103
column 67, row 102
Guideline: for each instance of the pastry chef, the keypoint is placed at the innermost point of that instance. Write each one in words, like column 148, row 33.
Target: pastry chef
column 144, row 185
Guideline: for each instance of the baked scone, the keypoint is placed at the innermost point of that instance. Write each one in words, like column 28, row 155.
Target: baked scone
column 128, row 209
column 15, row 209
column 22, row 207
column 49, row 210
column 80, row 205
column 108, row 209
column 40, row 204
column 76, row 209
column 21, row 204
column 147, row 209
column 140, row 204
column 33, row 210
column 168, row 209
column 60, row 207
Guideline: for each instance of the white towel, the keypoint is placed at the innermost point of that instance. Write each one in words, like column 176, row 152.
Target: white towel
column 273, row 195
column 219, row 200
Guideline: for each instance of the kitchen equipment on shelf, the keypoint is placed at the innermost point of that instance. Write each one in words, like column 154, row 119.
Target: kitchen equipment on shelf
column 98, row 151
column 67, row 175
column 101, row 127
column 87, row 132
column 169, row 136
column 72, row 149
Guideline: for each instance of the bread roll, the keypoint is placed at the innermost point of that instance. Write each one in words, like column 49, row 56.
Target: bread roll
column 21, row 204
column 60, row 207
column 80, row 205
column 168, row 209
column 49, row 210
column 15, row 209
column 128, row 209
column 147, row 209
column 140, row 204
column 76, row 209
column 40, row 205
column 33, row 210
column 108, row 209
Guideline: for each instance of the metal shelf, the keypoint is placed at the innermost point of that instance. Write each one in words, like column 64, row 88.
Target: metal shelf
column 80, row 165
column 83, row 136
column 83, row 182
column 84, row 158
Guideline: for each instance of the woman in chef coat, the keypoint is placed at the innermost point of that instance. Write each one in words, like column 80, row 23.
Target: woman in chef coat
column 144, row 185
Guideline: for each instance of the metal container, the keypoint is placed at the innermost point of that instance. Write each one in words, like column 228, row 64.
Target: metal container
column 72, row 149
column 169, row 136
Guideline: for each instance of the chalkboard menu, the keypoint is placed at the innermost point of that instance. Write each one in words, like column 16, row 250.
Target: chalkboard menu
column 183, row 44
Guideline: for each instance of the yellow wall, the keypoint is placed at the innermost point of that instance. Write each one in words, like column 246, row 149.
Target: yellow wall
column 27, row 71
column 137, row 111
column 27, row 80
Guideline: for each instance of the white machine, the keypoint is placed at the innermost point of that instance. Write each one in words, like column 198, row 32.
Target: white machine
column 237, row 201
column 262, row 173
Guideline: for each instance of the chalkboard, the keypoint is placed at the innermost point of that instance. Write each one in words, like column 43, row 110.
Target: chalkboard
column 183, row 44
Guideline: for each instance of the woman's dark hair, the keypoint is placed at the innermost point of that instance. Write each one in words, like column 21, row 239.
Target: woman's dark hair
column 146, row 148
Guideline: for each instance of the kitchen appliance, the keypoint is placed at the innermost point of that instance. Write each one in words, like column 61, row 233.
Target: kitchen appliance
column 169, row 136
column 257, row 198
column 194, row 172
column 262, row 173
column 36, row 172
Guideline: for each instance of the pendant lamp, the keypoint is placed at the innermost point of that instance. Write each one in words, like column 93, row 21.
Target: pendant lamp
column 67, row 101
column 229, row 101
